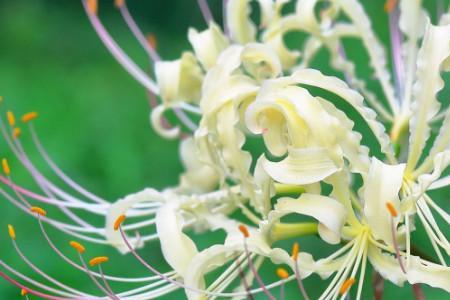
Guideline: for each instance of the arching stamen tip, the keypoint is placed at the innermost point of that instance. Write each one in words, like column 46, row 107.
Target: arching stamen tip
column 29, row 116
column 244, row 230
column 119, row 222
column 392, row 211
column 98, row 260
column 11, row 232
column 119, row 3
column 347, row 285
column 77, row 246
column 389, row 5
column 38, row 210
column 11, row 118
column 282, row 273
column 151, row 40
column 16, row 132
column 92, row 6
column 23, row 292
column 295, row 251
column 5, row 167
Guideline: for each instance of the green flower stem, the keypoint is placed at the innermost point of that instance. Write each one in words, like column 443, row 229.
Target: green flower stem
column 285, row 189
column 283, row 231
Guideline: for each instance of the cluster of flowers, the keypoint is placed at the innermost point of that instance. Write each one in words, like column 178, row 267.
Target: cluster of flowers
column 243, row 80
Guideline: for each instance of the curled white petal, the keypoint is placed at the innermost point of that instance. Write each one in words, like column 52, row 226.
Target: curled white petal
column 208, row 44
column 382, row 186
column 178, row 249
column 156, row 118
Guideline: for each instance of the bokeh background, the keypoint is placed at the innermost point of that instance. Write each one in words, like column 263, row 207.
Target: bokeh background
column 93, row 120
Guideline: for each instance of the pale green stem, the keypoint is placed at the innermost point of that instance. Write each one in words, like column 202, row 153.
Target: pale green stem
column 282, row 231
column 283, row 189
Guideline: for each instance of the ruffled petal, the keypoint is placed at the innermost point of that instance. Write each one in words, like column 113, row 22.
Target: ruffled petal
column 179, row 80
column 330, row 213
column 302, row 166
column 428, row 83
column 260, row 61
column 241, row 27
column 156, row 119
column 418, row 270
column 208, row 44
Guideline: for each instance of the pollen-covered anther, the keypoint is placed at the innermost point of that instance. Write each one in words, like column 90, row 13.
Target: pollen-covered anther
column 5, row 167
column 119, row 222
column 119, row 3
column 151, row 40
column 77, row 246
column 11, row 232
column 23, row 292
column 11, row 118
column 92, row 6
column 390, row 207
column 98, row 260
column 295, row 250
column 38, row 210
column 16, row 132
column 389, row 5
column 347, row 285
column 244, row 230
column 282, row 273
column 29, row 116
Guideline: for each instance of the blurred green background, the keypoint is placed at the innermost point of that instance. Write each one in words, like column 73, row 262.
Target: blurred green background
column 94, row 120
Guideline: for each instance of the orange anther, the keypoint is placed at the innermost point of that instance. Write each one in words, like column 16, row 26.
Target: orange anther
column 282, row 273
column 77, row 246
column 390, row 207
column 16, row 132
column 295, row 250
column 5, row 167
column 23, row 292
column 119, row 3
column 151, row 40
column 346, row 285
column 11, row 118
column 11, row 232
column 98, row 260
column 38, row 211
column 29, row 116
column 244, row 230
column 119, row 222
column 92, row 6
column 389, row 5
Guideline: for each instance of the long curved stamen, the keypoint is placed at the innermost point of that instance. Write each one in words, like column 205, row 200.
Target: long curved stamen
column 418, row 292
column 181, row 285
column 206, row 12
column 81, row 268
column 117, row 52
column 393, row 212
column 246, row 235
column 70, row 290
column 243, row 279
column 283, row 274
column 346, row 286
column 93, row 262
column 34, row 292
column 131, row 23
column 294, row 255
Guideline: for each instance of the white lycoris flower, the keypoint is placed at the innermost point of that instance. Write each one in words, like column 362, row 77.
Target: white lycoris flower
column 241, row 81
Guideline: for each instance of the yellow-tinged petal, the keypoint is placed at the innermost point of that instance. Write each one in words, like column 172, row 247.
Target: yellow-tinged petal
column 208, row 44
column 380, row 188
column 179, row 80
